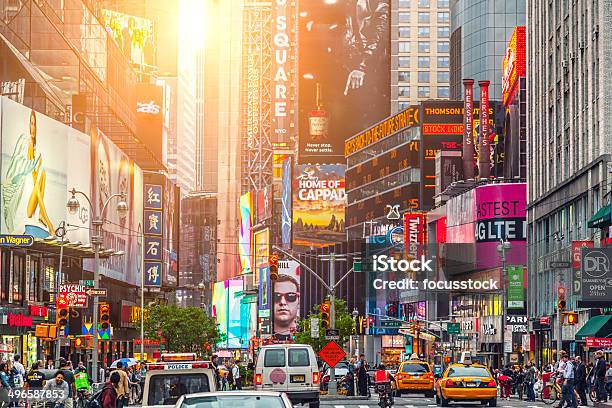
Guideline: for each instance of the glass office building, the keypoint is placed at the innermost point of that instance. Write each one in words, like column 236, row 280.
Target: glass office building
column 480, row 30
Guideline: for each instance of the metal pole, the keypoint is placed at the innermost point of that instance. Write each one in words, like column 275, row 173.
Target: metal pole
column 142, row 274
column 97, row 241
column 559, row 325
column 332, row 389
column 59, row 275
column 504, row 305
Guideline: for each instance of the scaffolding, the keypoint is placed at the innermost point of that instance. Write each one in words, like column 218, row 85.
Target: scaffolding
column 256, row 96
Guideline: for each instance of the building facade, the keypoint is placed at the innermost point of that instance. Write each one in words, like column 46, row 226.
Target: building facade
column 480, row 30
column 568, row 146
column 420, row 52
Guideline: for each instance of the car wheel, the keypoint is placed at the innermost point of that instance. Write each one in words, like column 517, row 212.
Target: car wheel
column 493, row 402
column 485, row 402
column 444, row 402
column 313, row 405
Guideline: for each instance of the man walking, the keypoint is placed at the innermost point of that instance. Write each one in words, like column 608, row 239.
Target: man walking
column 530, row 379
column 581, row 381
column 68, row 377
column 600, row 374
column 568, row 383
column 236, row 375
column 123, row 387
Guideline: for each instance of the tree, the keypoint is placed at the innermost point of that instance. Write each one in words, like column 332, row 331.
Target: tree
column 344, row 323
column 183, row 329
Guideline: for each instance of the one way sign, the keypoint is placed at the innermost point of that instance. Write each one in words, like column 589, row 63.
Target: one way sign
column 96, row 292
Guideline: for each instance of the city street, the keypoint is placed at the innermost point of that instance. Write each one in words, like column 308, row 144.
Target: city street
column 419, row 401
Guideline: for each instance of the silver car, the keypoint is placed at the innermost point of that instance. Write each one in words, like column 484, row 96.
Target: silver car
column 235, row 399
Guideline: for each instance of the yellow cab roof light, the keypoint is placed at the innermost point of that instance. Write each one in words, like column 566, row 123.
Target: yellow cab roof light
column 466, row 358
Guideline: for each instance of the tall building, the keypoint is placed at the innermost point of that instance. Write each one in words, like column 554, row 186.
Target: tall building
column 569, row 62
column 480, row 30
column 420, row 34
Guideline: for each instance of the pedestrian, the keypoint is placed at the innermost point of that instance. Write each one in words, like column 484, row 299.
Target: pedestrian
column 362, row 376
column 68, row 376
column 5, row 386
column 530, row 379
column 568, row 383
column 599, row 368
column 108, row 396
column 505, row 382
column 237, row 376
column 224, row 381
column 50, row 364
column 123, row 387
column 20, row 370
column 581, row 381
column 609, row 381
column 58, row 389
column 102, row 373
column 215, row 366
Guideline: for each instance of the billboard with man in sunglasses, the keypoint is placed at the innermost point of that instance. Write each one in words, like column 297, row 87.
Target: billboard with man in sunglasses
column 286, row 300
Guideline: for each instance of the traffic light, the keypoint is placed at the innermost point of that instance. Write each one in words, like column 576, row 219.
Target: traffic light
column 61, row 315
column 273, row 261
column 325, row 315
column 104, row 316
column 561, row 304
column 570, row 318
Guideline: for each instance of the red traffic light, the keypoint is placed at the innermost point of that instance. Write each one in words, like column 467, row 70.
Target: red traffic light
column 324, row 307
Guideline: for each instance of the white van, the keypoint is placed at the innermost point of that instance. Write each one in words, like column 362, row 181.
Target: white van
column 176, row 375
column 289, row 368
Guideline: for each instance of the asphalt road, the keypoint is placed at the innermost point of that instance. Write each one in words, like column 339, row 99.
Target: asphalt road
column 420, row 401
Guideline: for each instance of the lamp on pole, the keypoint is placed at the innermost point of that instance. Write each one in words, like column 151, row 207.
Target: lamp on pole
column 97, row 221
column 502, row 248
column 201, row 288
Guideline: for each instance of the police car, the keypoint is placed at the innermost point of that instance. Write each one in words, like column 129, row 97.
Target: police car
column 176, row 374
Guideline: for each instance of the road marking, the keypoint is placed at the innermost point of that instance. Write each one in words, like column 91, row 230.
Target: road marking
column 339, row 406
column 363, row 406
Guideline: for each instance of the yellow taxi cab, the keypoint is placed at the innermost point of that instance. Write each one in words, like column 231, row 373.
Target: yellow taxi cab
column 414, row 376
column 466, row 381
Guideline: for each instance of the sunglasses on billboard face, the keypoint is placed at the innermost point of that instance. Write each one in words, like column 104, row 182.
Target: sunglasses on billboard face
column 290, row 297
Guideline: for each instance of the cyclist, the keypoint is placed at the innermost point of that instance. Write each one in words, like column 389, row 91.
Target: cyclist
column 82, row 383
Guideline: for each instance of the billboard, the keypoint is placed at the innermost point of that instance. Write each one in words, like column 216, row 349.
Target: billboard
column 264, row 299
column 246, row 231
column 516, row 287
column 596, row 280
column 135, row 36
column 286, row 210
column 344, row 74
column 261, row 240
column 148, row 104
column 237, row 326
column 577, row 262
column 264, row 204
column 286, row 300
column 319, row 203
column 219, row 310
column 500, row 214
column 515, row 63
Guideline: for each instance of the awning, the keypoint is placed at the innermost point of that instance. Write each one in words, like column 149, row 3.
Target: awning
column 598, row 326
column 601, row 218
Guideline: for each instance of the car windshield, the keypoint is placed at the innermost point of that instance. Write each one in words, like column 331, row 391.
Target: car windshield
column 233, row 401
column 166, row 389
column 467, row 371
column 415, row 368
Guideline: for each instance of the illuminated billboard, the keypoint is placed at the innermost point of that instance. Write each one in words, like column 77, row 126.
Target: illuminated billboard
column 319, row 203
column 246, row 231
column 286, row 209
column 515, row 64
column 344, row 74
column 261, row 240
column 135, row 36
column 286, row 300
column 219, row 310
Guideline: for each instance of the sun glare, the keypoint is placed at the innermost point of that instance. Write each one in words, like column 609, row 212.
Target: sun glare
column 192, row 21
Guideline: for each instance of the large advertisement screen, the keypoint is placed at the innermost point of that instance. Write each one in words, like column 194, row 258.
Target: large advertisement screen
column 134, row 35
column 262, row 251
column 219, row 310
column 286, row 299
column 246, row 231
column 344, row 73
column 286, row 210
column 319, row 203
column 42, row 159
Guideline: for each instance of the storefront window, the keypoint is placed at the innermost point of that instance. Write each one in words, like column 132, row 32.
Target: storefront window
column 4, row 276
column 17, row 278
column 34, row 280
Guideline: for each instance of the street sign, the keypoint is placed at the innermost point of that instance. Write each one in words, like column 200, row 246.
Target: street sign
column 96, row 292
column 357, row 266
column 453, row 328
column 390, row 324
column 332, row 334
column 87, row 283
column 559, row 264
column 248, row 299
column 599, row 342
column 332, row 353
column 314, row 327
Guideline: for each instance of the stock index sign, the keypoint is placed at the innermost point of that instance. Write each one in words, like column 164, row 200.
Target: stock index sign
column 596, row 275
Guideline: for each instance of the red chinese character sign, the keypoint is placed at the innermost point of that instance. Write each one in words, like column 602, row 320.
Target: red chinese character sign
column 332, row 353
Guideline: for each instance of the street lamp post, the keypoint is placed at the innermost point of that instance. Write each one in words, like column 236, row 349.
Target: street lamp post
column 96, row 239
column 502, row 248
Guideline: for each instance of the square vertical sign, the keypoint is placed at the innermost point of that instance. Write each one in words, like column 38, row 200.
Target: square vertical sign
column 153, row 220
column 153, row 196
column 152, row 273
column 152, row 248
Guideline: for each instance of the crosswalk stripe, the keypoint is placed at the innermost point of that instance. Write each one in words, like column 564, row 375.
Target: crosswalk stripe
column 363, row 406
column 339, row 406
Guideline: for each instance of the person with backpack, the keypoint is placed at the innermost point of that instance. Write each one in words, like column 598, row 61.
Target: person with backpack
column 107, row 397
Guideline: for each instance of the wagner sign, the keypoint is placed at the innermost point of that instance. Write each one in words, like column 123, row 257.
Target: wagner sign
column 596, row 275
